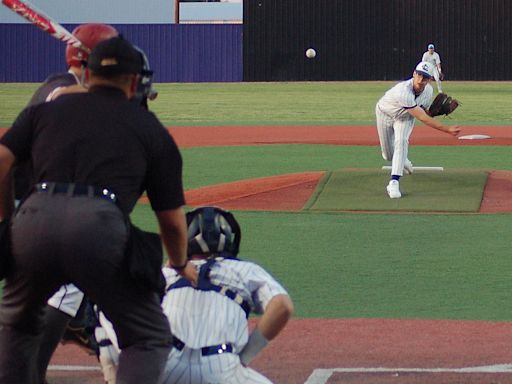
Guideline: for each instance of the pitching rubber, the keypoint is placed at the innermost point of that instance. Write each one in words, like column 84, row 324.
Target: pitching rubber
column 426, row 169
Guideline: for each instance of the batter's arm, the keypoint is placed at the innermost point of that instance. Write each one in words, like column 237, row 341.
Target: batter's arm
column 6, row 185
column 420, row 114
column 78, row 88
column 173, row 228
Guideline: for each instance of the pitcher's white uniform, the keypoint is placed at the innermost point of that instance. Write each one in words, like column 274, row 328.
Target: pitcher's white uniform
column 204, row 318
column 434, row 59
column 395, row 124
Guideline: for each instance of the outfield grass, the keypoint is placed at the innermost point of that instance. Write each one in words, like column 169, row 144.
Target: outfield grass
column 312, row 103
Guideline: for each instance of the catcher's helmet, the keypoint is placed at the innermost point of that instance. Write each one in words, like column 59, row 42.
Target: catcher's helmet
column 90, row 35
column 212, row 230
column 145, row 89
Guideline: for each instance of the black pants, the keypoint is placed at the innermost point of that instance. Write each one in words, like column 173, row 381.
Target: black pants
column 58, row 239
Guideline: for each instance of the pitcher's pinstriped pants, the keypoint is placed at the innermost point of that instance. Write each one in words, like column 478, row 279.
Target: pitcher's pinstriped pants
column 394, row 139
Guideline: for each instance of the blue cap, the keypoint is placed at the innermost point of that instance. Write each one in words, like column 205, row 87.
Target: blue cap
column 431, row 46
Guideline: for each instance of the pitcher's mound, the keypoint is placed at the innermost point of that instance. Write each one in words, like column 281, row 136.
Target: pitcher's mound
column 291, row 193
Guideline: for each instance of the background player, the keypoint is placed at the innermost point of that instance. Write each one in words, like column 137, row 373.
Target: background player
column 396, row 112
column 432, row 57
column 209, row 322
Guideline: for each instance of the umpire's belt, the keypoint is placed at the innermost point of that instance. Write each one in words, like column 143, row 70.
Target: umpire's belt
column 72, row 189
column 205, row 351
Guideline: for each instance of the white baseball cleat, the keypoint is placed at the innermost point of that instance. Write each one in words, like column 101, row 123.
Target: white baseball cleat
column 408, row 169
column 393, row 189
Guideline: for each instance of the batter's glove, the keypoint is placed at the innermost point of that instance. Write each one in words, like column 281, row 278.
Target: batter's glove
column 443, row 105
column 441, row 76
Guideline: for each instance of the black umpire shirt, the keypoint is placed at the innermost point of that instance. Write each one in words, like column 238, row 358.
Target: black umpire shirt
column 23, row 170
column 99, row 138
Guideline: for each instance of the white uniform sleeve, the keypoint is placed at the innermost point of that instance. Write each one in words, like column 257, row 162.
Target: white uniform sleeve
column 263, row 287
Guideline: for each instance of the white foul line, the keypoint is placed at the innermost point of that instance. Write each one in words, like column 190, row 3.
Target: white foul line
column 321, row 376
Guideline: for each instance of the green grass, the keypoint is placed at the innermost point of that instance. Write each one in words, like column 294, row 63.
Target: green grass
column 347, row 265
column 214, row 165
column 382, row 265
column 310, row 103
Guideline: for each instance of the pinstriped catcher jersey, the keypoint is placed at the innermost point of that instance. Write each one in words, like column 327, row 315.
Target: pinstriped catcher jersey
column 199, row 318
column 202, row 318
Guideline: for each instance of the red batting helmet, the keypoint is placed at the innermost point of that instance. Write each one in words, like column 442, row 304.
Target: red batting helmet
column 90, row 35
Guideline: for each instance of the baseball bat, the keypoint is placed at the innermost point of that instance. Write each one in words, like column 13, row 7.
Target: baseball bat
column 44, row 22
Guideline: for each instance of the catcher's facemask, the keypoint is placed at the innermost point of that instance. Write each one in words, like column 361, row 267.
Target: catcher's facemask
column 144, row 89
column 212, row 230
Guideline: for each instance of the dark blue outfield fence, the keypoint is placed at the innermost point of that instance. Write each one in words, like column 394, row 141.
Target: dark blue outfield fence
column 177, row 53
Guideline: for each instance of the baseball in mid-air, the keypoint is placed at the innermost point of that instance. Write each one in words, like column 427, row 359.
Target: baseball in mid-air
column 310, row 53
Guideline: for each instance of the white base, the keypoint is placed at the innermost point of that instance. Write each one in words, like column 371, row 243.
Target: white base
column 429, row 169
column 474, row 137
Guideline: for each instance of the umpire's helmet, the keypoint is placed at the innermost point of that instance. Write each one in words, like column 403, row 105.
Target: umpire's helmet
column 89, row 35
column 212, row 230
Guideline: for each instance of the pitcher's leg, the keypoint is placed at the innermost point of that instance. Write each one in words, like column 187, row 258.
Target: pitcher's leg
column 403, row 130
column 386, row 134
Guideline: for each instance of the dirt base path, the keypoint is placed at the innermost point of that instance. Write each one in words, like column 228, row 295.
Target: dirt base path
column 328, row 134
column 327, row 351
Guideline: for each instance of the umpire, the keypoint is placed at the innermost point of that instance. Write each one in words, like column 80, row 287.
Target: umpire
column 93, row 155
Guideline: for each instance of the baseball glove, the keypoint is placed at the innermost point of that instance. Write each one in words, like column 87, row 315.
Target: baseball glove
column 443, row 105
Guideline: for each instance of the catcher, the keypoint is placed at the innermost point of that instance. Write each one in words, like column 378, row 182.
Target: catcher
column 212, row 343
column 396, row 112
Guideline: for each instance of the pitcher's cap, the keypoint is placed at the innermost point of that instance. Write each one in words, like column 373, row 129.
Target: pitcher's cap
column 115, row 56
column 431, row 46
column 425, row 69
